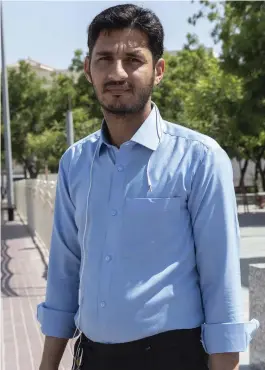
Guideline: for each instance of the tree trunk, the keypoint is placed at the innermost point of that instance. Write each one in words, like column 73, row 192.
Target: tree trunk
column 262, row 173
column 256, row 178
column 243, row 170
column 25, row 172
column 263, row 179
column 33, row 174
column 32, row 167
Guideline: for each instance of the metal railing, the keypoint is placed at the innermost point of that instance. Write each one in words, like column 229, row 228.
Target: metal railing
column 34, row 201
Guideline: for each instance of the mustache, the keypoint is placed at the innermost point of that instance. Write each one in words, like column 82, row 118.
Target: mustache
column 123, row 84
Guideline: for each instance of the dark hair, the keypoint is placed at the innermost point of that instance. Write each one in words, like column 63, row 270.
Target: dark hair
column 129, row 16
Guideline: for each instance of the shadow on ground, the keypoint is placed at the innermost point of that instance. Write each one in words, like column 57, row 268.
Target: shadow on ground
column 7, row 274
column 9, row 231
column 45, row 272
column 36, row 246
column 252, row 219
column 244, row 265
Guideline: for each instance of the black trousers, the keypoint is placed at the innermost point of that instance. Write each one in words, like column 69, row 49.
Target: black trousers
column 172, row 350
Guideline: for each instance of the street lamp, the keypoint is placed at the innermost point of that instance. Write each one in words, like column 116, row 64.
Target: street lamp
column 6, row 118
column 69, row 124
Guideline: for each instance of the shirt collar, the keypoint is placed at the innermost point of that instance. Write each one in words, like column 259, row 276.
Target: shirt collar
column 149, row 134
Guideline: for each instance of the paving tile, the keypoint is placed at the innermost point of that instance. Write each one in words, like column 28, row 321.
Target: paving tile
column 23, row 287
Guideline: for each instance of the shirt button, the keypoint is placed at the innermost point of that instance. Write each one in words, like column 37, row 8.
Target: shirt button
column 108, row 258
column 120, row 168
column 103, row 304
column 114, row 212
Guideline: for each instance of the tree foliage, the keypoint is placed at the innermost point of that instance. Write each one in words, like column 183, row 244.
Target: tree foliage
column 182, row 72
column 28, row 98
column 240, row 28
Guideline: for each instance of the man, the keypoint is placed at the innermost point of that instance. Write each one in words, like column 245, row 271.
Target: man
column 144, row 257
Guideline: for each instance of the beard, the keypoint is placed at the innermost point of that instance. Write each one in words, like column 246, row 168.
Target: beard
column 140, row 98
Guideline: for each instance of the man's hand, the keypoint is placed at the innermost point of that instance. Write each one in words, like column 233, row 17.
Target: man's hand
column 47, row 367
column 224, row 361
column 52, row 353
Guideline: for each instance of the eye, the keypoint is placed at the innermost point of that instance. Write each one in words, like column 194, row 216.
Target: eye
column 106, row 58
column 134, row 60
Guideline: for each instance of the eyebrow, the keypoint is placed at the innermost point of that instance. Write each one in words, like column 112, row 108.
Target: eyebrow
column 110, row 53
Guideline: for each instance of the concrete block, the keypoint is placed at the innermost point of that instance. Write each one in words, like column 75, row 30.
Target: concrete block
column 257, row 311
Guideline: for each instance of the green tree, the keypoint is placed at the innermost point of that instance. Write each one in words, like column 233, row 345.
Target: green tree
column 83, row 124
column 44, row 149
column 61, row 97
column 28, row 110
column 37, row 112
column 77, row 63
column 182, row 72
column 212, row 105
column 240, row 27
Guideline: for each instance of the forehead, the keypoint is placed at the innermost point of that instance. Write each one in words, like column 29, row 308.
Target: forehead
column 125, row 40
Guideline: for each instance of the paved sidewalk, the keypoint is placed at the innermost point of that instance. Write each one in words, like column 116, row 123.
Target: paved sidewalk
column 24, row 268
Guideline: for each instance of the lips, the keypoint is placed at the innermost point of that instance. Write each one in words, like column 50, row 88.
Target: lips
column 117, row 90
column 117, row 93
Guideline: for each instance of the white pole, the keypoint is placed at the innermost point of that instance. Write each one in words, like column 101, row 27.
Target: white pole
column 6, row 117
column 69, row 125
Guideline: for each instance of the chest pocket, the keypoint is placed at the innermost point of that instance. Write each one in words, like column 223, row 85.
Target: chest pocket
column 149, row 225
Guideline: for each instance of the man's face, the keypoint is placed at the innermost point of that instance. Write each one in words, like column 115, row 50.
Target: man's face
column 122, row 71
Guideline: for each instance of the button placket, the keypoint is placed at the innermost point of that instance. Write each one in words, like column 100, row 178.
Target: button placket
column 116, row 199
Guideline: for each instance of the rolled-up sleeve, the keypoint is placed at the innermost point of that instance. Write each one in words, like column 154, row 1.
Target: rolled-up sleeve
column 213, row 209
column 56, row 315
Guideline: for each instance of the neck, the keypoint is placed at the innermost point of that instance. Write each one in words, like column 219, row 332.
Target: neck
column 122, row 127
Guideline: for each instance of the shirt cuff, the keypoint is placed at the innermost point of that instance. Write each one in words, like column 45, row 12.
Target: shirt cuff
column 54, row 323
column 228, row 337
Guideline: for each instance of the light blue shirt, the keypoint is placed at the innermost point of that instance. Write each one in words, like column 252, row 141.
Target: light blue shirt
column 146, row 240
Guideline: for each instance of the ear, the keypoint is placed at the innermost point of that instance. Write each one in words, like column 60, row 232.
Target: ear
column 87, row 69
column 159, row 71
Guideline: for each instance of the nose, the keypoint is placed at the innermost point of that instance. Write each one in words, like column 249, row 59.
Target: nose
column 118, row 73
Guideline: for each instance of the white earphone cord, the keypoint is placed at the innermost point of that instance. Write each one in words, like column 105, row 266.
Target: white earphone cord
column 147, row 169
column 84, row 256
